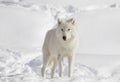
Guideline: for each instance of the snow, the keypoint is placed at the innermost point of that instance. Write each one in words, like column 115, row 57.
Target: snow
column 100, row 32
column 23, row 27
column 13, row 69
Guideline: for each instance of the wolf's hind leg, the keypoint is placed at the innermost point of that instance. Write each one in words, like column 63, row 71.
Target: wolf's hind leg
column 53, row 68
column 45, row 63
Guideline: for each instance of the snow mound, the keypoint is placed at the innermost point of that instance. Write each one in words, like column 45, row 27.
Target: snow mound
column 12, row 69
column 8, row 62
column 115, row 5
column 116, row 71
column 82, row 70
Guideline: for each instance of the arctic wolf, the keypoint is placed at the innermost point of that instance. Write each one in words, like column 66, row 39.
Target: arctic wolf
column 60, row 42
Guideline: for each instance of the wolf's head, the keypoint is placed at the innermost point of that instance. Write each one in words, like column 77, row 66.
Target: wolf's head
column 66, row 28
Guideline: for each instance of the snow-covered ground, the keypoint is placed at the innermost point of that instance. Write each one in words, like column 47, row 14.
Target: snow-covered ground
column 23, row 24
column 14, row 67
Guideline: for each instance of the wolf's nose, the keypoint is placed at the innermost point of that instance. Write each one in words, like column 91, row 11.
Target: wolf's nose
column 64, row 37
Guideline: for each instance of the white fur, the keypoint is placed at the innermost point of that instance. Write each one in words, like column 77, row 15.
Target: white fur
column 55, row 48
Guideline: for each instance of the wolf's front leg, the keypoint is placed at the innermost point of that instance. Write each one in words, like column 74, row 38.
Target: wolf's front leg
column 69, row 66
column 60, row 67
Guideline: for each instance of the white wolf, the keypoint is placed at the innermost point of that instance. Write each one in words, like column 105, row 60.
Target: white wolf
column 60, row 42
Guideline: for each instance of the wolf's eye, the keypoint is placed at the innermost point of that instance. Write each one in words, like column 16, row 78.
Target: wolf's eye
column 61, row 29
column 68, row 29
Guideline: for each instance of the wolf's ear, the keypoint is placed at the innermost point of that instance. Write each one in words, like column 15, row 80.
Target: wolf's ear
column 72, row 20
column 59, row 21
